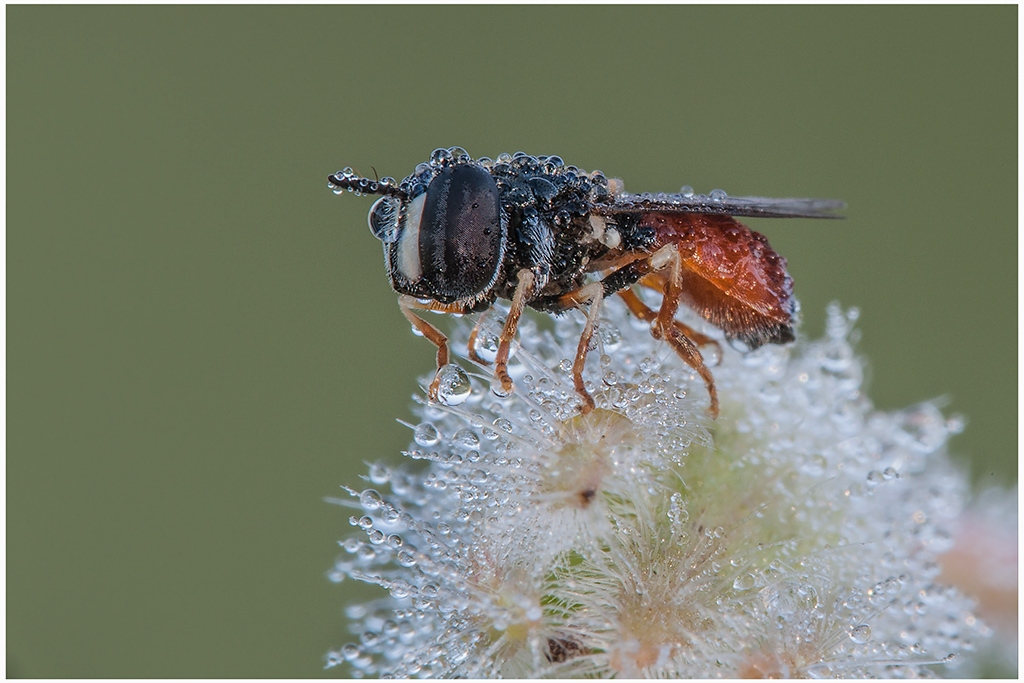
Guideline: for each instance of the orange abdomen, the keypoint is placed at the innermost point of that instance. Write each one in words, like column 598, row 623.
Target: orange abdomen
column 732, row 277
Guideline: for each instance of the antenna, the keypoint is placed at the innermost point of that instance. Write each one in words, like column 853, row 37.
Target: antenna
column 348, row 180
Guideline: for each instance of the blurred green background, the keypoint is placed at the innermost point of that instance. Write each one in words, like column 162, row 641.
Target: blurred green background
column 201, row 339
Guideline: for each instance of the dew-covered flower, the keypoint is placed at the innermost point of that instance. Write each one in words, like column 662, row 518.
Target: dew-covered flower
column 797, row 535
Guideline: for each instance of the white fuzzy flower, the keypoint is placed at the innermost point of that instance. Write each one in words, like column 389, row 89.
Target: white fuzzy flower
column 797, row 535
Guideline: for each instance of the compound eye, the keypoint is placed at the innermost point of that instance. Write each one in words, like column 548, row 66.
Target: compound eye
column 383, row 219
column 462, row 238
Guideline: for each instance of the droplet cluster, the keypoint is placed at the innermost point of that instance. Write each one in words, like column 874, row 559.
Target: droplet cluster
column 796, row 536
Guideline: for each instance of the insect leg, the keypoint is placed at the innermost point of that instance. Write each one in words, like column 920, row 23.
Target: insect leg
column 664, row 326
column 594, row 293
column 508, row 332
column 407, row 303
column 647, row 314
column 471, row 344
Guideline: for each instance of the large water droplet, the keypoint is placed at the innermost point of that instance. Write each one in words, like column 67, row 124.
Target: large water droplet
column 453, row 385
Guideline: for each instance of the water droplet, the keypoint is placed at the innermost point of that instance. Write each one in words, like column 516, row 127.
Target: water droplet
column 379, row 474
column 486, row 347
column 426, row 435
column 458, row 153
column 686, row 191
column 453, row 385
column 466, row 438
column 739, row 345
column 499, row 390
column 440, row 156
column 717, row 195
column 744, row 582
column 923, row 428
column 861, row 634
column 370, row 500
column 836, row 356
column 712, row 354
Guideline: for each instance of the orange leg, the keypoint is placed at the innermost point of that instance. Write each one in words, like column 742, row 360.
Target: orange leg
column 594, row 293
column 648, row 314
column 523, row 290
column 407, row 303
column 471, row 344
column 664, row 325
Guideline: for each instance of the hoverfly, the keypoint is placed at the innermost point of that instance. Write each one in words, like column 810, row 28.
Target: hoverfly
column 460, row 233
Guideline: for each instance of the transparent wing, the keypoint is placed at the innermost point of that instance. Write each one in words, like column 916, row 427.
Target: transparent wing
column 722, row 205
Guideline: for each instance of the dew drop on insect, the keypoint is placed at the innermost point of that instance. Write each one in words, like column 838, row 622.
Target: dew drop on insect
column 426, row 435
column 717, row 195
column 861, row 634
column 499, row 390
column 453, row 385
column 458, row 153
column 370, row 500
column 440, row 156
column 686, row 191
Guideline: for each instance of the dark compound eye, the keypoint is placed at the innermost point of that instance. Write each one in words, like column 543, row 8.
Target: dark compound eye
column 461, row 236
column 383, row 219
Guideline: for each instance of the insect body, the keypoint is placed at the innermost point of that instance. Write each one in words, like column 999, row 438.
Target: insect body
column 460, row 233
